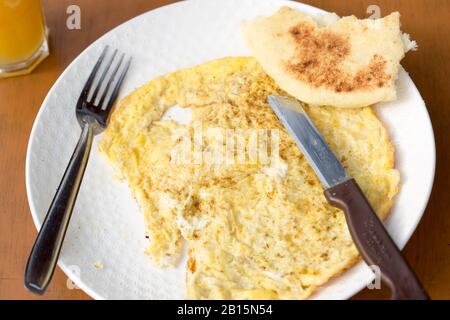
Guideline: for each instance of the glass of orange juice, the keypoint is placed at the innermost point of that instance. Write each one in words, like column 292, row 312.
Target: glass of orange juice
column 23, row 36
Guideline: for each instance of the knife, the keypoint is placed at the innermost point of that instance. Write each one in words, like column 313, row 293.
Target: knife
column 342, row 191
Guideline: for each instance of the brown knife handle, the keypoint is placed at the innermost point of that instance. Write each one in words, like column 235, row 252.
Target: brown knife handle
column 373, row 241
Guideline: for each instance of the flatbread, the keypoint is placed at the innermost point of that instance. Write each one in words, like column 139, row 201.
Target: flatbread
column 339, row 62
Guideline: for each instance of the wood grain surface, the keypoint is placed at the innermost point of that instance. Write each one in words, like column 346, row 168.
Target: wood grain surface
column 428, row 22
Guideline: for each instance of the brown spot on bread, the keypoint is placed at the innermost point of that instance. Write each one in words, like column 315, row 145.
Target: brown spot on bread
column 319, row 58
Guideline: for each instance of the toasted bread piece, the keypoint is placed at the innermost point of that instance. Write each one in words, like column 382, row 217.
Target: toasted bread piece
column 330, row 61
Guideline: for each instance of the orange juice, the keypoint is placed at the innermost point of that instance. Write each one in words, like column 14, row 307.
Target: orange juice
column 22, row 30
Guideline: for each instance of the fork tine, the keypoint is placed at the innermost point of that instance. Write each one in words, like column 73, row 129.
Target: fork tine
column 110, row 81
column 100, row 81
column 117, row 87
column 88, row 84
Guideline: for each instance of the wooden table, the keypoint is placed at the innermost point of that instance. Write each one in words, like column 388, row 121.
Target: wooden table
column 428, row 21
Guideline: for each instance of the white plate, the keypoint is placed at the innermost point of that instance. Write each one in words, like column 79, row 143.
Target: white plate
column 106, row 225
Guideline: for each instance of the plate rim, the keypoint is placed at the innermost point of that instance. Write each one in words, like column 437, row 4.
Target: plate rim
column 91, row 291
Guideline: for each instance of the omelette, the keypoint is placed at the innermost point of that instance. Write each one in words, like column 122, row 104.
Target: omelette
column 256, row 227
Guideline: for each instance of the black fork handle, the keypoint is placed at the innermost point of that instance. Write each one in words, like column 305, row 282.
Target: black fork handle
column 44, row 255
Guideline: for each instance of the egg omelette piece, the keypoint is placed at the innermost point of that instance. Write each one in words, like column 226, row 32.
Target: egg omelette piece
column 255, row 230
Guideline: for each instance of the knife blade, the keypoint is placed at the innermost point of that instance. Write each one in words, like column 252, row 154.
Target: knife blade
column 323, row 161
column 371, row 238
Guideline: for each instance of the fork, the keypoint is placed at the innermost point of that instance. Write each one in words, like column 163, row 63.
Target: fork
column 92, row 116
